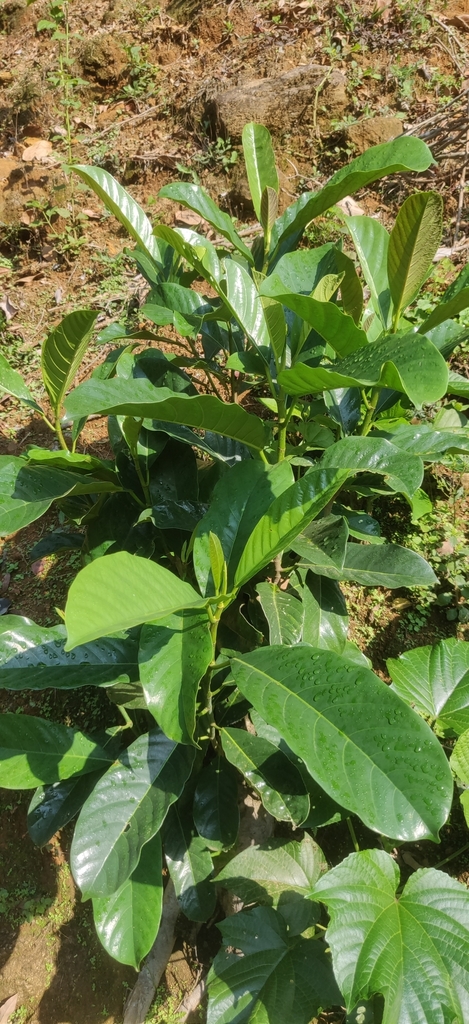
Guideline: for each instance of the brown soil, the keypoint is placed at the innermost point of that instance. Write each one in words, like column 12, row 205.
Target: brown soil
column 140, row 114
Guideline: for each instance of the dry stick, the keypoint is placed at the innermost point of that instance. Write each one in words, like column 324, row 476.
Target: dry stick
column 144, row 114
column 191, row 1001
column 142, row 994
column 462, row 183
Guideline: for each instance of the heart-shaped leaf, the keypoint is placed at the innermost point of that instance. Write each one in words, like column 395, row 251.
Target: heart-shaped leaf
column 35, row 751
column 278, row 977
column 435, row 680
column 127, row 922
column 412, row 949
column 96, row 605
column 126, row 808
column 369, row 751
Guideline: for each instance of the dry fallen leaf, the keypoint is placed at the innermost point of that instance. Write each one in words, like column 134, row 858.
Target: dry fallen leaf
column 188, row 219
column 39, row 150
column 385, row 7
column 350, row 207
column 460, row 21
column 447, row 547
column 8, row 308
column 8, row 1008
column 92, row 214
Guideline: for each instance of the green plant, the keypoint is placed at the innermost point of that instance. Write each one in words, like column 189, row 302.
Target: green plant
column 142, row 73
column 215, row 542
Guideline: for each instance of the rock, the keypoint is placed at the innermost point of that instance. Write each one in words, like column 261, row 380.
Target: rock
column 373, row 131
column 103, row 59
column 281, row 103
column 10, row 14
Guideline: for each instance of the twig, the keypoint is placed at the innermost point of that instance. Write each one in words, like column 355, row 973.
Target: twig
column 462, row 183
column 191, row 1001
column 144, row 115
column 142, row 994
column 449, row 32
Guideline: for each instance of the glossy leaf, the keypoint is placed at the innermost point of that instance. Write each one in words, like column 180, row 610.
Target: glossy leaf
column 278, row 978
column 199, row 254
column 376, row 455
column 412, row 949
column 190, row 866
column 344, row 407
column 125, row 810
column 121, row 591
column 413, row 242
column 12, row 383
column 286, row 517
column 120, row 203
column 174, row 654
column 446, row 311
column 15, row 513
column 194, row 197
column 410, row 364
column 259, row 159
column 216, row 814
column 33, row 658
column 388, row 565
column 277, row 328
column 139, row 398
column 127, row 922
column 245, row 303
column 325, row 612
column 270, row 871
column 402, row 154
column 370, row 752
column 63, row 351
column 371, row 241
column 323, row 546
column 425, row 441
column 35, row 751
column 270, row 772
column 284, row 613
column 53, row 806
column 336, row 327
column 239, row 500
column 435, row 680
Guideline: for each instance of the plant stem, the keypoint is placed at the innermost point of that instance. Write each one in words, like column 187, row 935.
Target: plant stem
column 352, row 833
column 452, row 856
column 59, row 432
column 282, row 425
column 368, row 420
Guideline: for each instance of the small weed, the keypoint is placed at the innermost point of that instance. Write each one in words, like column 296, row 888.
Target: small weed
column 143, row 76
column 164, row 1008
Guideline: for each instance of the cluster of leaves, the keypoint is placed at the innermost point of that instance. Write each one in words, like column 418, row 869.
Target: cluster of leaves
column 214, row 544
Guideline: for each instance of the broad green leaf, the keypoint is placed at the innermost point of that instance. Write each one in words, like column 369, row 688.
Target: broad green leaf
column 12, row 383
column 127, row 922
column 15, row 513
column 459, row 759
column 35, row 751
column 268, row 770
column 371, row 241
column 259, row 159
column 269, row 210
column 216, row 814
column 409, row 363
column 325, row 611
column 458, row 385
column 194, row 197
column 336, row 327
column 121, row 591
column 277, row 978
column 53, row 806
column 75, row 462
column 402, row 154
column 435, row 680
column 323, row 546
column 199, row 254
column 125, row 810
column 239, row 500
column 322, row 810
column 269, row 872
column 388, row 565
column 33, row 658
column 411, row 949
column 245, row 303
column 413, row 242
column 370, row 752
column 286, row 517
column 403, row 472
column 284, row 613
column 446, row 311
column 139, row 398
column 425, row 441
column 277, row 328
column 8, row 622
column 190, row 866
column 63, row 351
column 344, row 407
column 126, row 210
column 303, row 270
column 351, row 289
column 173, row 656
